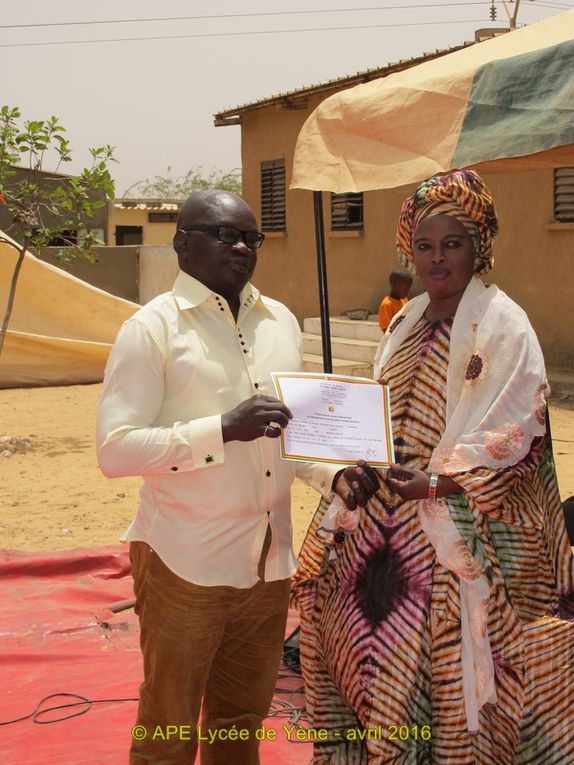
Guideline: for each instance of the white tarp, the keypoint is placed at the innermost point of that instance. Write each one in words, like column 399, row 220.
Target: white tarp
column 61, row 330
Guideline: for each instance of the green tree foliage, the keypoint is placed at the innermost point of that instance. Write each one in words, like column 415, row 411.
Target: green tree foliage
column 180, row 187
column 41, row 208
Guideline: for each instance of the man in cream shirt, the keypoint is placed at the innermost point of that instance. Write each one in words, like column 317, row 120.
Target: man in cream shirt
column 188, row 404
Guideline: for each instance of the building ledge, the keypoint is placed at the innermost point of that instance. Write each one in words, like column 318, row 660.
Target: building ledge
column 556, row 225
column 354, row 234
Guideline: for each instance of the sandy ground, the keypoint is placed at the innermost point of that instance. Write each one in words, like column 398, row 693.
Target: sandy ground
column 53, row 496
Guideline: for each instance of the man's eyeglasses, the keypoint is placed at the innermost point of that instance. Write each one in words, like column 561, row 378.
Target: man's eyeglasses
column 231, row 235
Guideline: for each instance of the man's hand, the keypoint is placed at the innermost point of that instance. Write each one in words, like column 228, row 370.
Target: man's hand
column 257, row 416
column 356, row 484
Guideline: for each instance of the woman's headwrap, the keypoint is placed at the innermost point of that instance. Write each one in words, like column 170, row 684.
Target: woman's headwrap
column 462, row 194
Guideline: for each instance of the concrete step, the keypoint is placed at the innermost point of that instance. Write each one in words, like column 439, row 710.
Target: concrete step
column 561, row 385
column 343, row 327
column 342, row 347
column 314, row 363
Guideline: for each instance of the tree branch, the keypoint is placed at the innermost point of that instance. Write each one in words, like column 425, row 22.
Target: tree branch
column 21, row 254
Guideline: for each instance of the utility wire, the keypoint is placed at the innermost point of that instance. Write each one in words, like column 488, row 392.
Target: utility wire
column 238, row 15
column 403, row 7
column 239, row 34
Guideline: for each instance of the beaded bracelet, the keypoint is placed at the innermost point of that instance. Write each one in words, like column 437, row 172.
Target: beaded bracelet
column 433, row 485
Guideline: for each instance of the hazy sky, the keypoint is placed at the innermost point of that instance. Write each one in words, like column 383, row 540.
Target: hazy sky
column 154, row 99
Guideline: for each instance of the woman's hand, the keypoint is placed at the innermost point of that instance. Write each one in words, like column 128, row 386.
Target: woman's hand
column 410, row 483
column 356, row 484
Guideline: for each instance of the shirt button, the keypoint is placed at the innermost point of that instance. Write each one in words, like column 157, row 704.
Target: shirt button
column 174, row 468
column 267, row 473
column 256, row 385
column 244, row 351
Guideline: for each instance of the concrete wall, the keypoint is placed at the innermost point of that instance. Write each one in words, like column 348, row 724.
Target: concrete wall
column 158, row 269
column 114, row 270
column 534, row 255
column 135, row 273
column 534, row 259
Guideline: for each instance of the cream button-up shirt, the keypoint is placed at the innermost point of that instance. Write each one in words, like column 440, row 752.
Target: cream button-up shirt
column 177, row 365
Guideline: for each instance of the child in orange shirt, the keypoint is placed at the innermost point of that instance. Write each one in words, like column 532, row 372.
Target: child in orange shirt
column 401, row 281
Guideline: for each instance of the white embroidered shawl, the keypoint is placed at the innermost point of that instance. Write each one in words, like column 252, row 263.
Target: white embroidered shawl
column 496, row 382
column 496, row 390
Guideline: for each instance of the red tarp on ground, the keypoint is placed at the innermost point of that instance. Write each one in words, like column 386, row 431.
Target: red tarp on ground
column 60, row 634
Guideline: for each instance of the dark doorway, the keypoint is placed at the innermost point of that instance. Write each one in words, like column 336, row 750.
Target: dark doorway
column 129, row 235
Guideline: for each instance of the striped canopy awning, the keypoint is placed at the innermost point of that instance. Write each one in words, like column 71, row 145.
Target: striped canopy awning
column 507, row 103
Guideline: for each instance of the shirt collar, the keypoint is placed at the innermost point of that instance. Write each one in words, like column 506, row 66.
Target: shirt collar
column 190, row 292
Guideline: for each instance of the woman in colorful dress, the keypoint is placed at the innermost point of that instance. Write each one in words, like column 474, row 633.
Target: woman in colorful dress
column 437, row 621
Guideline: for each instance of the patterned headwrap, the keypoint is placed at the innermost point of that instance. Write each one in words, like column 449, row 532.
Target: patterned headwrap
column 462, row 194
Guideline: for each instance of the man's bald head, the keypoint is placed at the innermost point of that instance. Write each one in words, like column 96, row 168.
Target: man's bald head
column 202, row 245
column 199, row 203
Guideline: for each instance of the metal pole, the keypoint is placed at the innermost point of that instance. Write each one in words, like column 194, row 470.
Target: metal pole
column 322, row 272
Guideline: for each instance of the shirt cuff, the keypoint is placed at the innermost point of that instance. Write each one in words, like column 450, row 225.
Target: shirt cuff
column 206, row 444
column 319, row 475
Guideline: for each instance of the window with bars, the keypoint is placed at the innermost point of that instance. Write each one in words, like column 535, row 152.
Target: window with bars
column 67, row 238
column 564, row 194
column 273, row 195
column 347, row 211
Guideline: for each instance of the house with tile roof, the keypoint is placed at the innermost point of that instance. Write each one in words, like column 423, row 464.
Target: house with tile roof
column 534, row 251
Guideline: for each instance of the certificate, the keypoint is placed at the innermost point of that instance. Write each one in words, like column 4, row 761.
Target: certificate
column 336, row 419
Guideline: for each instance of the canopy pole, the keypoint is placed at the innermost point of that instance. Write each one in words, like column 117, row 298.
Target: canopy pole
column 322, row 271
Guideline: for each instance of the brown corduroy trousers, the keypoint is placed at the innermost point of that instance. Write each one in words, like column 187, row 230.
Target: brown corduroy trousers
column 212, row 651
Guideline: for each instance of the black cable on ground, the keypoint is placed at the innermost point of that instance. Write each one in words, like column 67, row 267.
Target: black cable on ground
column 82, row 701
column 279, row 707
